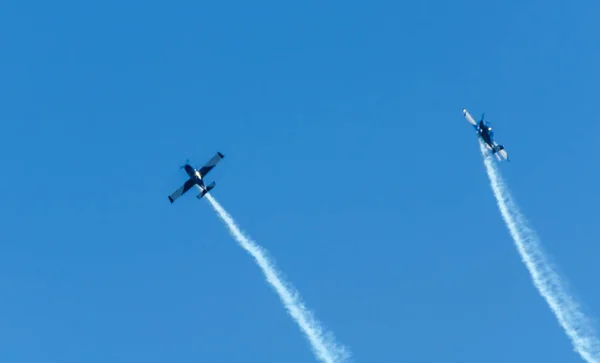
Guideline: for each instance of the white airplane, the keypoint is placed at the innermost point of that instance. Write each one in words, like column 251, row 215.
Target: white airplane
column 196, row 178
column 484, row 131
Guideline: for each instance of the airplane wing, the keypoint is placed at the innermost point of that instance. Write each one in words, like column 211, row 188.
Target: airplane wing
column 469, row 117
column 182, row 189
column 210, row 164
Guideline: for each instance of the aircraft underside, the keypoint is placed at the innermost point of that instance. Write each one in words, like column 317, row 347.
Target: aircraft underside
column 486, row 135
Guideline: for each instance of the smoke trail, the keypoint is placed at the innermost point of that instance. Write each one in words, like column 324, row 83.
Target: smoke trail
column 325, row 349
column 546, row 280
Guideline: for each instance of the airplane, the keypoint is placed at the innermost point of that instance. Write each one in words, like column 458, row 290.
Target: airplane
column 487, row 135
column 196, row 178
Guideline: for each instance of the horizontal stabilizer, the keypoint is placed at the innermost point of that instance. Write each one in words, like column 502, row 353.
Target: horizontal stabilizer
column 504, row 154
column 208, row 189
column 500, row 152
column 469, row 117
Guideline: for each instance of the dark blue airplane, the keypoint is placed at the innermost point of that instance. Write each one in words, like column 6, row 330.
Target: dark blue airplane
column 487, row 135
column 196, row 178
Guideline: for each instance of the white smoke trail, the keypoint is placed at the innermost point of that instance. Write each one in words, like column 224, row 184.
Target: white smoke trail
column 324, row 348
column 546, row 280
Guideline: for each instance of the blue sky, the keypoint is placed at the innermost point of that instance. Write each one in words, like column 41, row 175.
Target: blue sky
column 347, row 157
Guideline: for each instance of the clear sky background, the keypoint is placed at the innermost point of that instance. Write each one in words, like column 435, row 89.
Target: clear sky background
column 346, row 156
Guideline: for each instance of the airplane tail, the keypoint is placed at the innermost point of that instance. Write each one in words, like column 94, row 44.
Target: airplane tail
column 500, row 152
column 208, row 189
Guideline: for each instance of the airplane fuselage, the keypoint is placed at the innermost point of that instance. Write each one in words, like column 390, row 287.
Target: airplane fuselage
column 194, row 175
column 486, row 133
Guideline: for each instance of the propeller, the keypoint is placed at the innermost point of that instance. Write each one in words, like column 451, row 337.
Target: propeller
column 187, row 161
column 487, row 123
